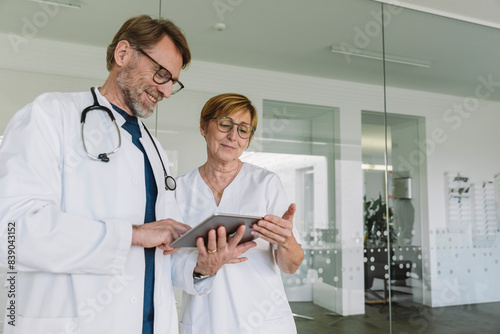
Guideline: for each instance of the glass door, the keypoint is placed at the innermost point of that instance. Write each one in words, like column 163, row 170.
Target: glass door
column 447, row 158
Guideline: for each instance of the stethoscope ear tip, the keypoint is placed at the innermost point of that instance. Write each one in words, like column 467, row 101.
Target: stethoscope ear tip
column 103, row 157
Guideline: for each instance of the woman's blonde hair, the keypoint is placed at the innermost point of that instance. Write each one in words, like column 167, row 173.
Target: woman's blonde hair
column 227, row 104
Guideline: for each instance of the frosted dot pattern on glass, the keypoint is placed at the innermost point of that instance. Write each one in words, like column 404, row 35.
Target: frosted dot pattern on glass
column 463, row 265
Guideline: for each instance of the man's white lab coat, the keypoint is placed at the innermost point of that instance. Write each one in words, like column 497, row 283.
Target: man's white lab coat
column 75, row 269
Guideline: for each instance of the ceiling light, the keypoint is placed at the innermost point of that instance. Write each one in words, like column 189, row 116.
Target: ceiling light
column 347, row 51
column 376, row 167
column 65, row 3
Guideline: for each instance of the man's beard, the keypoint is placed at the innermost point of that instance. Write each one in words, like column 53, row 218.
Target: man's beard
column 132, row 93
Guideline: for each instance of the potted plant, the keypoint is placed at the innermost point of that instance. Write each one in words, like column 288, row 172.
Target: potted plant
column 376, row 223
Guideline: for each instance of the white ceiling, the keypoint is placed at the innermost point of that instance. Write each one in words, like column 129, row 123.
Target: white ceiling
column 483, row 12
column 292, row 36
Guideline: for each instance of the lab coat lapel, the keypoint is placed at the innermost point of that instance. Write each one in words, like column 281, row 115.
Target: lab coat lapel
column 157, row 167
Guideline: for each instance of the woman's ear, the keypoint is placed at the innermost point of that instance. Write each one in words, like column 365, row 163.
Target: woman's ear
column 203, row 130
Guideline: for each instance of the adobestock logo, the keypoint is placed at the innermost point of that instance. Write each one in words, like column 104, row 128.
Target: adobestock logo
column 31, row 26
column 363, row 37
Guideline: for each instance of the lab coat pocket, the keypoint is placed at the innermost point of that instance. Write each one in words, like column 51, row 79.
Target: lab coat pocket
column 186, row 328
column 65, row 325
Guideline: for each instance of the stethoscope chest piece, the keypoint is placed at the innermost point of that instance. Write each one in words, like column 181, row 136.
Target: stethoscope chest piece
column 170, row 183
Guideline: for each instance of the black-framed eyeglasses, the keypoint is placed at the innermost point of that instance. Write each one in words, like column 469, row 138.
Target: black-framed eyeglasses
column 225, row 124
column 162, row 75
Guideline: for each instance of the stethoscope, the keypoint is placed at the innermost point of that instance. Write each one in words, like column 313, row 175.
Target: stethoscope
column 170, row 183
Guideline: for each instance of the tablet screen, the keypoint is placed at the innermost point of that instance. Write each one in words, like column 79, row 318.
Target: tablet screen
column 230, row 221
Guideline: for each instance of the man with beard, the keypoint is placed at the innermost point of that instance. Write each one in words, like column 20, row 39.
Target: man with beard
column 87, row 234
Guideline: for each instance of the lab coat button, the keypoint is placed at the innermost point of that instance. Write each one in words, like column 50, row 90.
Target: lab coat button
column 133, row 300
column 135, row 181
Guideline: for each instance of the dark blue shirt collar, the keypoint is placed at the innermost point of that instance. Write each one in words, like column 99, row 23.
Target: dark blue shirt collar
column 122, row 112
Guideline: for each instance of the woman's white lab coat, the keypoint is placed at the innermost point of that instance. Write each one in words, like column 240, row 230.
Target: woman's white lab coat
column 247, row 297
column 76, row 271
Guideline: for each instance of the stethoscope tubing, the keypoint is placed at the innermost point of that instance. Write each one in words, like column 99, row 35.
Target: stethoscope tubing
column 104, row 157
column 170, row 183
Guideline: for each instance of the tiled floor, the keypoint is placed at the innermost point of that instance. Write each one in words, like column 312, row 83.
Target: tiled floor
column 406, row 319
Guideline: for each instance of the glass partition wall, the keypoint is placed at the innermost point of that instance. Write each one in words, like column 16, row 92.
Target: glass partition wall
column 389, row 163
column 444, row 170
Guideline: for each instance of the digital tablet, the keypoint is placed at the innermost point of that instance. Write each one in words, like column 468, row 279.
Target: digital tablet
column 230, row 221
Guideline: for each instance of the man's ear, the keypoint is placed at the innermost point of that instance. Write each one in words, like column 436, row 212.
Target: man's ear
column 123, row 53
